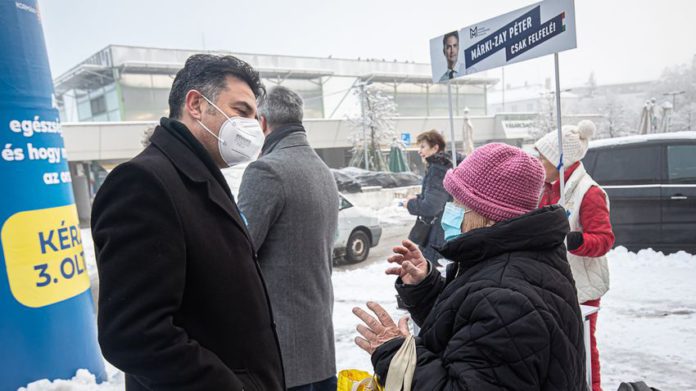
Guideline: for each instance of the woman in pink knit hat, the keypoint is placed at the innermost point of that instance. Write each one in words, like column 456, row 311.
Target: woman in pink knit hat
column 507, row 316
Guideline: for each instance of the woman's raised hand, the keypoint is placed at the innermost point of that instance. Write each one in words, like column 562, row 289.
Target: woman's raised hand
column 412, row 265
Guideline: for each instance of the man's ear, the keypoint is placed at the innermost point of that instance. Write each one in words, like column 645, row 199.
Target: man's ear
column 264, row 125
column 193, row 104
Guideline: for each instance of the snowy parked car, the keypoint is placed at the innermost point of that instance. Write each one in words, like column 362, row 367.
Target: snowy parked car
column 651, row 183
column 358, row 231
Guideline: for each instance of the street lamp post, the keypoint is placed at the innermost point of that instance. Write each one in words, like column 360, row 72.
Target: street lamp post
column 674, row 97
column 363, row 97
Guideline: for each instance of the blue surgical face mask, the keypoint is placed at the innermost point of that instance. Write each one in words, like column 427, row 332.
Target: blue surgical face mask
column 452, row 219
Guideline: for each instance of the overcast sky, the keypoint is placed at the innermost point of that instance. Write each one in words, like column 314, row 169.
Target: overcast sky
column 620, row 40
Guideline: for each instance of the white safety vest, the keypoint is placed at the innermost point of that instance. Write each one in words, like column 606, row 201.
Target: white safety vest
column 591, row 274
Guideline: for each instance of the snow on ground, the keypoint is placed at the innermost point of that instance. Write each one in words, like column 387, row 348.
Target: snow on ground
column 82, row 381
column 355, row 288
column 646, row 327
column 394, row 215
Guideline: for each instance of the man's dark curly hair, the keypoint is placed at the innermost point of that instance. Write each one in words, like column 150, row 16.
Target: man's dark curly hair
column 206, row 73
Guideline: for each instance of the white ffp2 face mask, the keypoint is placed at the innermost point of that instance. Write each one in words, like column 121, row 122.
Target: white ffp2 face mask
column 240, row 139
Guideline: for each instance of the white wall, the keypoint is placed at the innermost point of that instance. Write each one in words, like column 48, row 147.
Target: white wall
column 123, row 140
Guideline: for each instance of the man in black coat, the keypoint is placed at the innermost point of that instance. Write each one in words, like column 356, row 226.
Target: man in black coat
column 182, row 304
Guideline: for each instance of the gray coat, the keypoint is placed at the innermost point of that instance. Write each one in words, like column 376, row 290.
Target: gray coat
column 290, row 200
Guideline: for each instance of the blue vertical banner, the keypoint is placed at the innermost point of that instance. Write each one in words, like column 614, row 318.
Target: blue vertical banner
column 47, row 320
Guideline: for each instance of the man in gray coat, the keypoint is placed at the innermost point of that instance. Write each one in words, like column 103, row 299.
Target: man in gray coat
column 290, row 200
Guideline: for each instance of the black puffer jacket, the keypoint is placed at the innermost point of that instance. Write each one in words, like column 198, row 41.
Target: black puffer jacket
column 510, row 318
column 430, row 203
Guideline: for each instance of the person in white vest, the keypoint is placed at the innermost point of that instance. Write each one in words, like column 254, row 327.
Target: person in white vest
column 587, row 205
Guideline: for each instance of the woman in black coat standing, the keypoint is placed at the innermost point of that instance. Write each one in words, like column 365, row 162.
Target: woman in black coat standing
column 429, row 204
column 506, row 317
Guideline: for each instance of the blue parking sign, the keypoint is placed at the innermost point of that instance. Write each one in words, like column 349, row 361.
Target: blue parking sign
column 406, row 139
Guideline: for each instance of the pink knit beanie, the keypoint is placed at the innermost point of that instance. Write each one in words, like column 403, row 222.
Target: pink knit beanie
column 498, row 181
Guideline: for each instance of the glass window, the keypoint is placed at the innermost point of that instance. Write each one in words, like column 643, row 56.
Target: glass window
column 681, row 163
column 98, row 105
column 476, row 103
column 111, row 100
column 420, row 100
column 439, row 105
column 589, row 161
column 344, row 203
column 100, row 118
column 310, row 90
column 627, row 166
column 83, row 110
column 411, row 105
column 144, row 104
column 114, row 115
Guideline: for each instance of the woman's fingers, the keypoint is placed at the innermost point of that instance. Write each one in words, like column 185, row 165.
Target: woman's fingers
column 409, row 245
column 400, row 250
column 366, row 332
column 397, row 271
column 396, row 258
column 370, row 321
column 363, row 344
column 413, row 251
column 382, row 314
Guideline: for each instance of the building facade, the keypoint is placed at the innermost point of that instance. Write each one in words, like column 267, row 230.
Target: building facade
column 124, row 83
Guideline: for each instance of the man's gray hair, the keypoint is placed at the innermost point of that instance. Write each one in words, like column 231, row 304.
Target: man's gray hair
column 281, row 106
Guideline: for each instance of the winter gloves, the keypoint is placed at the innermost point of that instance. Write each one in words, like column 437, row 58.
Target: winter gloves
column 574, row 240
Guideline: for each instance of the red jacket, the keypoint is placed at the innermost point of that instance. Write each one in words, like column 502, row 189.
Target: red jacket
column 598, row 237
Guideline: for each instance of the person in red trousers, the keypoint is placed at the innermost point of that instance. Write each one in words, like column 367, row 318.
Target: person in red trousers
column 587, row 205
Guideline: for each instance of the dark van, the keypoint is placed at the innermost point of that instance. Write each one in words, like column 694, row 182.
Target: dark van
column 651, row 183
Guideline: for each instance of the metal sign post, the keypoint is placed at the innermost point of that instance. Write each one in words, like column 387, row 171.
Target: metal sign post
column 561, row 167
column 451, row 121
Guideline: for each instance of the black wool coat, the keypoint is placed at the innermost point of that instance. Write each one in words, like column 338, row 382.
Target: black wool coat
column 507, row 317
column 182, row 304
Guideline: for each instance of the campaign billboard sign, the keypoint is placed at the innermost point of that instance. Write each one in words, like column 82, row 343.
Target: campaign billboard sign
column 533, row 31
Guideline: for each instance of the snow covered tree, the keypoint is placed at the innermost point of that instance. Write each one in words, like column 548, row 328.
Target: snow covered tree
column 374, row 128
column 618, row 119
column 684, row 118
column 545, row 120
column 620, row 116
column 677, row 85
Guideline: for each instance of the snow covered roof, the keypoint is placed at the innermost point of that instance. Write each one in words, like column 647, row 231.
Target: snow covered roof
column 642, row 138
column 151, row 60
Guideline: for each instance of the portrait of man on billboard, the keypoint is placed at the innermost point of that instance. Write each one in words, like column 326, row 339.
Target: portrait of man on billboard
column 450, row 48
